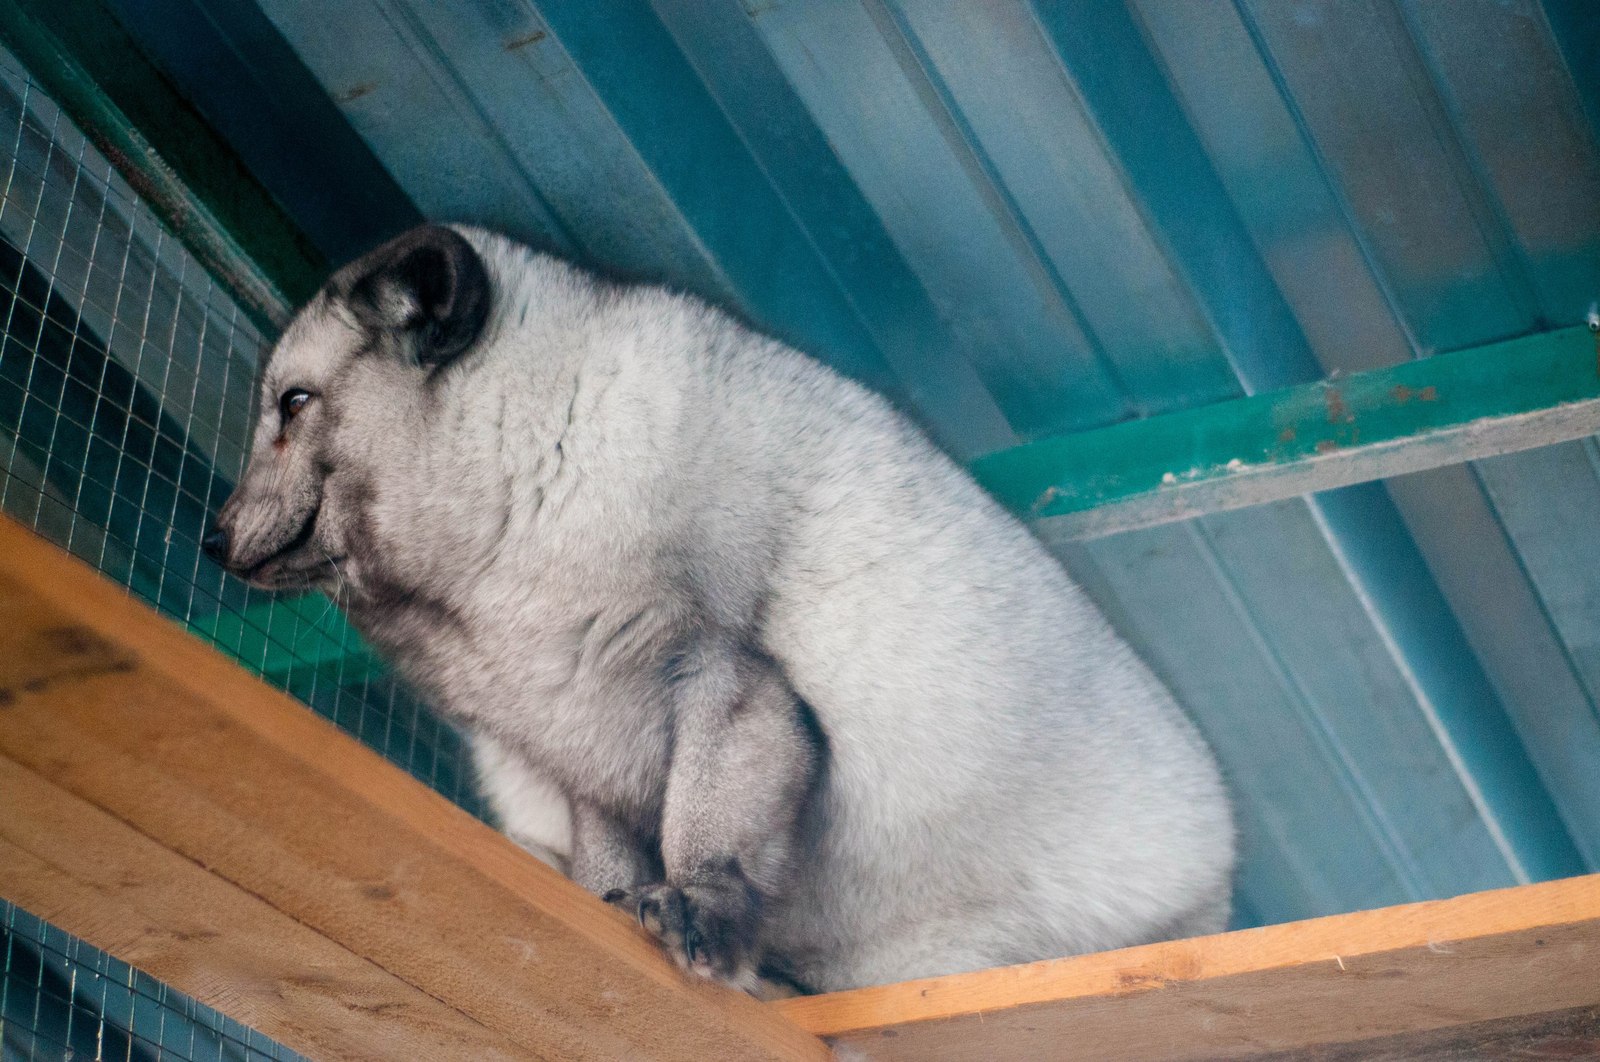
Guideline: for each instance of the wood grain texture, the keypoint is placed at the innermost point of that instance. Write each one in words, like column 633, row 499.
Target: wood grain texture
column 1303, row 986
column 164, row 805
column 1565, row 1034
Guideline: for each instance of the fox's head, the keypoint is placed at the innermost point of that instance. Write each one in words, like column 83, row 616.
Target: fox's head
column 351, row 377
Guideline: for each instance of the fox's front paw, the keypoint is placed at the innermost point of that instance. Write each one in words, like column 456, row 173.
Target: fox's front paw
column 704, row 929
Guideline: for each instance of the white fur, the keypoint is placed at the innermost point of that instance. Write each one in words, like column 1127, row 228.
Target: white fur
column 1005, row 780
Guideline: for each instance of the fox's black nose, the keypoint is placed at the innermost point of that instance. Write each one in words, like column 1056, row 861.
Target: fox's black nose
column 215, row 545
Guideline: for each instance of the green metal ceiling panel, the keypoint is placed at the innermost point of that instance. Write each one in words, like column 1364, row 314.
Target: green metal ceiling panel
column 1028, row 219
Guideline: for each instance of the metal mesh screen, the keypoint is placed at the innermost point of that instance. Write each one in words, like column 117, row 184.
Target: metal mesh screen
column 62, row 999
column 125, row 403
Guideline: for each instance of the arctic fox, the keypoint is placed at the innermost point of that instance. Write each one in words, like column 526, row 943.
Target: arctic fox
column 740, row 649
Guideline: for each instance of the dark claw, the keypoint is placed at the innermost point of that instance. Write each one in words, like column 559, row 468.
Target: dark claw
column 696, row 930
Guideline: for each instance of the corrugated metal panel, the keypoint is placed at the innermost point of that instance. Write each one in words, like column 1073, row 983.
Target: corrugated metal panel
column 1022, row 219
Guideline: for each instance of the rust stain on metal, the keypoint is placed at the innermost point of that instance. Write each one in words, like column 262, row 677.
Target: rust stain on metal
column 1326, row 446
column 522, row 40
column 1338, row 412
column 1403, row 394
column 1286, row 435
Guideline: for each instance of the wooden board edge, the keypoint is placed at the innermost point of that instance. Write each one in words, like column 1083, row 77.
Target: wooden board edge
column 99, row 605
column 1430, row 924
column 89, row 614
column 221, row 945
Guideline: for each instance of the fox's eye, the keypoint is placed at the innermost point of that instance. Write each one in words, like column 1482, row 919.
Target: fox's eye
column 293, row 401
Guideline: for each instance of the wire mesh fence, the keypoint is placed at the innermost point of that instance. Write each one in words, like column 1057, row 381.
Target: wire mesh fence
column 126, row 379
column 62, row 999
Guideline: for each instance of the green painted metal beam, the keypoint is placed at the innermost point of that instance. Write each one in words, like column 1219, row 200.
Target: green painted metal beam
column 1494, row 399
column 84, row 59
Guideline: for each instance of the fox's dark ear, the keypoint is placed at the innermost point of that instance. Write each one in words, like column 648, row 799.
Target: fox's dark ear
column 428, row 288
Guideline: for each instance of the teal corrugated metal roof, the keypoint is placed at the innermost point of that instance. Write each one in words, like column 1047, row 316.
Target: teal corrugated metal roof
column 1021, row 219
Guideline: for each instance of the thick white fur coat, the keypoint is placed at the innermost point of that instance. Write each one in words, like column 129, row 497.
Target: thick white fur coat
column 987, row 774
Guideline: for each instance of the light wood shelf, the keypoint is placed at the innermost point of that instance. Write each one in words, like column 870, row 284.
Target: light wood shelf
column 1423, row 979
column 166, row 806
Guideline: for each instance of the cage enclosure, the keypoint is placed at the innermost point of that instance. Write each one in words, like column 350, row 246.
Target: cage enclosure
column 1277, row 320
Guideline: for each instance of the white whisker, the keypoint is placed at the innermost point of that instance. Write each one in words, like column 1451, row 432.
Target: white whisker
column 339, row 586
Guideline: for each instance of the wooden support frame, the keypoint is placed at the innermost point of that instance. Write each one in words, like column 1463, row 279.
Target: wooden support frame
column 1421, row 980
column 1480, row 402
column 159, row 802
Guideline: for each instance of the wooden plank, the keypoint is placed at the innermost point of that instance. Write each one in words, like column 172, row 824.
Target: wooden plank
column 90, row 66
column 1303, row 986
column 1443, row 410
column 160, row 803
column 125, row 892
column 1572, row 1034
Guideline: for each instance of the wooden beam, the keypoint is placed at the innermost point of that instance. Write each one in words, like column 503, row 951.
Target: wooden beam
column 1566, row 1034
column 91, row 66
column 1443, row 410
column 1417, row 971
column 160, row 803
column 165, row 806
